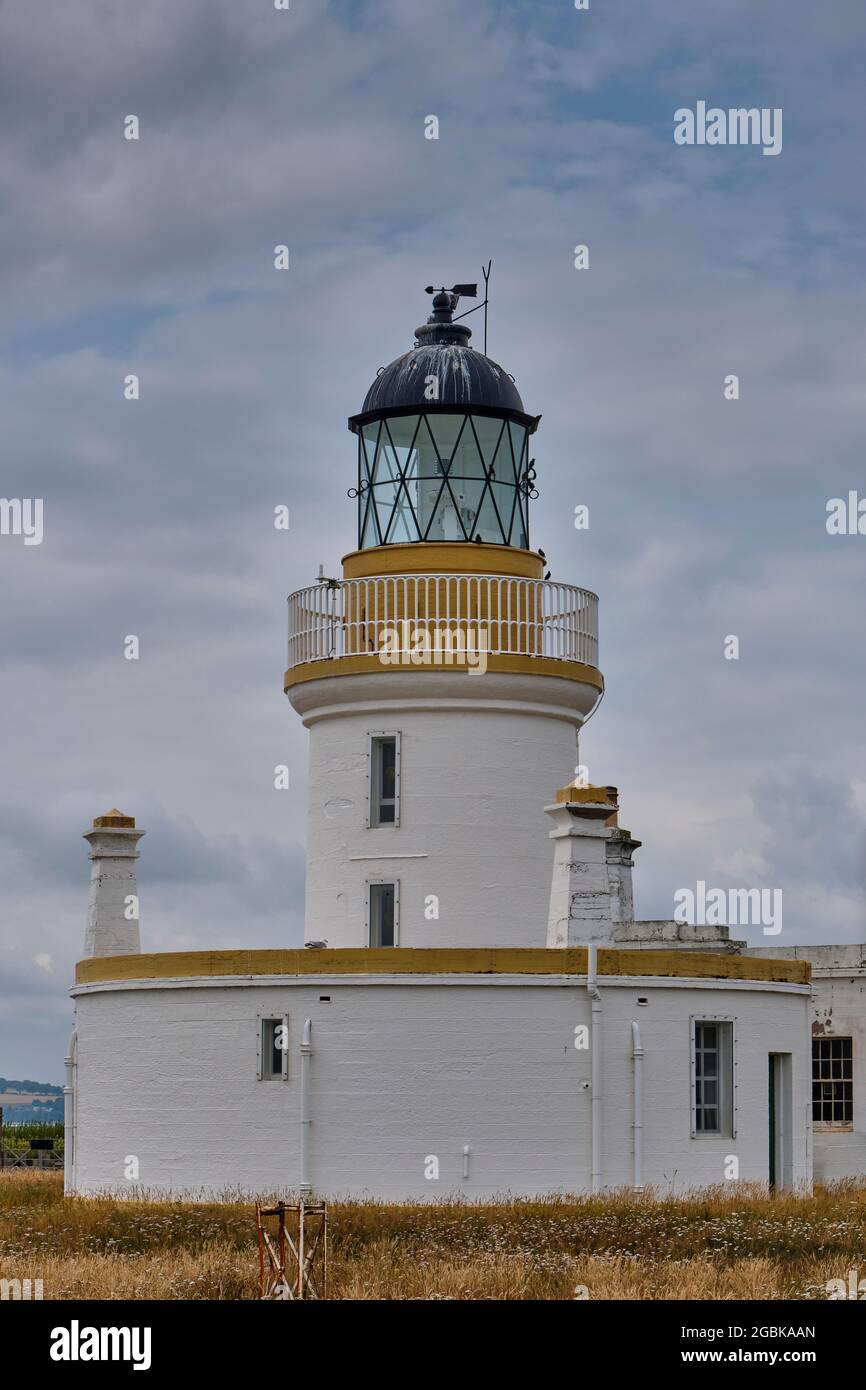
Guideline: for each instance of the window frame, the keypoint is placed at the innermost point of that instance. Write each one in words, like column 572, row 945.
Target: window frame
column 833, row 1126
column 371, row 883
column 727, row 1103
column 374, row 740
column 263, row 1018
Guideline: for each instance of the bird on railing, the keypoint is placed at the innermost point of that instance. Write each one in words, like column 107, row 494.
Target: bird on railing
column 315, row 945
column 547, row 576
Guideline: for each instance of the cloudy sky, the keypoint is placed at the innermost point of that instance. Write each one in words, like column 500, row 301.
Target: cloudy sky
column 707, row 516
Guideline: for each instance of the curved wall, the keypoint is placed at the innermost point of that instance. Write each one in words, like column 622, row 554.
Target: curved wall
column 405, row 1069
column 480, row 758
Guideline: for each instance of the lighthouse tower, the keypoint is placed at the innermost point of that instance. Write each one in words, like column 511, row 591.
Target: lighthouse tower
column 442, row 678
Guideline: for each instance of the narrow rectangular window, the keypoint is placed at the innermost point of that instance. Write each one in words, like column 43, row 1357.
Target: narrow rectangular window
column 833, row 1082
column 383, row 911
column 274, row 1044
column 384, row 779
column 712, row 1064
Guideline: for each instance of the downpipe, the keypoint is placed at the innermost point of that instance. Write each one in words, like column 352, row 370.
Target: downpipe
column 306, row 1053
column 70, row 1062
column 637, row 1122
column 595, row 1064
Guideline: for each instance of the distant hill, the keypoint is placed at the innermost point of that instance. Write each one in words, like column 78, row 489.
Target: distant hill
column 26, row 1101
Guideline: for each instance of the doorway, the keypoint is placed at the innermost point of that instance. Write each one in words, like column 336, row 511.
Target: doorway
column 781, row 1148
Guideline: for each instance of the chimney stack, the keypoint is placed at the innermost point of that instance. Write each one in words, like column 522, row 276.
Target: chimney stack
column 112, row 912
column 591, row 889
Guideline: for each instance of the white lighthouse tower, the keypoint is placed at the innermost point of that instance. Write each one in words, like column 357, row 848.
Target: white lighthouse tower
column 443, row 679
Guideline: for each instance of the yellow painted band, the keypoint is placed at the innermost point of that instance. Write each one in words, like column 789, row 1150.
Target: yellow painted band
column 515, row 665
column 443, row 557
column 482, row 960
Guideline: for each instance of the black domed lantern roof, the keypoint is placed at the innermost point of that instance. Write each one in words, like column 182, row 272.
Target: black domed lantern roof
column 465, row 378
column 443, row 443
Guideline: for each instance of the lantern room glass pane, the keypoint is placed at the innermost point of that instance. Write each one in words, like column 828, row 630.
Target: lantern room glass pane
column 445, row 431
column 492, row 439
column 442, row 477
column 367, row 450
column 519, row 453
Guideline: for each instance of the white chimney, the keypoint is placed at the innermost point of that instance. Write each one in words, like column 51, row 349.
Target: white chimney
column 112, row 912
column 591, row 889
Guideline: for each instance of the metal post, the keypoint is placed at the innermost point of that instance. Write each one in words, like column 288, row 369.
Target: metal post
column 301, row 1251
column 296, row 1265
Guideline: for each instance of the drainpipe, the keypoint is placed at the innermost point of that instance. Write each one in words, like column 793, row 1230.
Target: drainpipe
column 306, row 1053
column 69, row 1115
column 637, row 1056
column 595, row 1064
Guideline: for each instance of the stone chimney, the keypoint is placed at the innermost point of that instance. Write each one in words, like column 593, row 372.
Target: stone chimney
column 590, row 892
column 112, row 912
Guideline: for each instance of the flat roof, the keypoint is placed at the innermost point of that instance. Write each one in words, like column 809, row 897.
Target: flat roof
column 400, row 960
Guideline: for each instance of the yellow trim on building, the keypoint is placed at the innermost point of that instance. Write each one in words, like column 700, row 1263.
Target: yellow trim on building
column 114, row 820
column 483, row 960
column 515, row 665
column 443, row 557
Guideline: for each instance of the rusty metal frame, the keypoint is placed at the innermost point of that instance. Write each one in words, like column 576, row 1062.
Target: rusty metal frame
column 297, row 1265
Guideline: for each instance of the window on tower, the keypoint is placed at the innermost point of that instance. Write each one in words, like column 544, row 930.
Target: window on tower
column 383, row 905
column 384, row 756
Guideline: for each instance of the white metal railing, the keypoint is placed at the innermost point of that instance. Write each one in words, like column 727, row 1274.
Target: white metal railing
column 525, row 617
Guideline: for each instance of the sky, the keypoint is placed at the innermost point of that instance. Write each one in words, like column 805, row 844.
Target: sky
column 261, row 127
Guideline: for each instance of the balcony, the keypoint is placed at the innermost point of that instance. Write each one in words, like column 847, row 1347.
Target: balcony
column 515, row 617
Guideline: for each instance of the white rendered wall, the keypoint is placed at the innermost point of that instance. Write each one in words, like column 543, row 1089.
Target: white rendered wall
column 402, row 1071
column 111, row 930
column 838, row 1010
column 481, row 756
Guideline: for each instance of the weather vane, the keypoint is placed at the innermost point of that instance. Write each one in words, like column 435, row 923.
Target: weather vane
column 468, row 292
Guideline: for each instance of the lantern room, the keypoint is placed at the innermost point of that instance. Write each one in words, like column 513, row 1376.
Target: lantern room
column 443, row 444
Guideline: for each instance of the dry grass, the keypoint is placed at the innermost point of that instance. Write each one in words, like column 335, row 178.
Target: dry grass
column 714, row 1245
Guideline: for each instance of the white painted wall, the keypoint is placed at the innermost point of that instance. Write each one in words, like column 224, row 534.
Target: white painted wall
column 412, row 1067
column 838, row 1010
column 481, row 756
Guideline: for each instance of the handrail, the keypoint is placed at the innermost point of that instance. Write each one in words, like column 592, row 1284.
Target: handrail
column 526, row 617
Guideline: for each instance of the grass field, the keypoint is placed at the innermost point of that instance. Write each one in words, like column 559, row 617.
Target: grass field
column 717, row 1245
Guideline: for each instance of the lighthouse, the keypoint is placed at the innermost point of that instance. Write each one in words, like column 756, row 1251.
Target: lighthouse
column 478, row 1012
column 442, row 677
